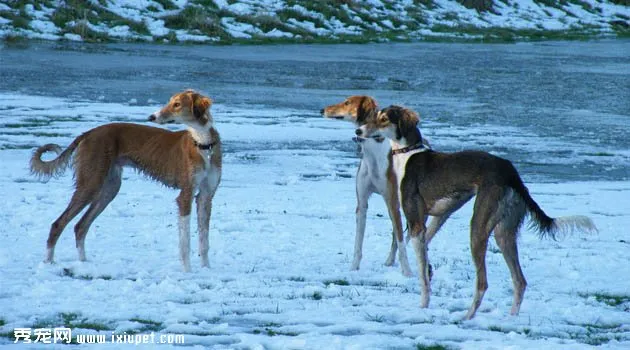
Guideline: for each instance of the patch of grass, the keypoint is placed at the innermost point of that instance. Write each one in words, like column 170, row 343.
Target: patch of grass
column 167, row 4
column 608, row 299
column 92, row 325
column 206, row 3
column 274, row 332
column 83, row 30
column 502, row 35
column 147, row 325
column 598, row 334
column 21, row 22
column 66, row 272
column 197, row 18
column 287, row 13
column 68, row 317
column 431, row 347
column 612, row 300
column 74, row 15
column 328, row 8
column 450, row 16
column 377, row 284
column 317, row 295
column 426, row 3
column 340, row 282
column 15, row 39
column 374, row 318
column 19, row 19
column 479, row 5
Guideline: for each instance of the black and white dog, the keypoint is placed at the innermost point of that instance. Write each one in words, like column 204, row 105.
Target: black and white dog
column 438, row 184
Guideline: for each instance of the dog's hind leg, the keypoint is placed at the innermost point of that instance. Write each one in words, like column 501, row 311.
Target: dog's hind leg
column 83, row 194
column 506, row 240
column 482, row 222
column 505, row 234
column 80, row 200
column 108, row 191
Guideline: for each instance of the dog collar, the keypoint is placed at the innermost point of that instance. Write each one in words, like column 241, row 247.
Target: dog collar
column 206, row 146
column 418, row 145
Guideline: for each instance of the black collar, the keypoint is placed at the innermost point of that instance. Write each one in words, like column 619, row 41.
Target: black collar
column 418, row 145
column 205, row 147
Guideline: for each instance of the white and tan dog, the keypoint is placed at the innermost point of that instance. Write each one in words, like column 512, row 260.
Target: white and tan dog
column 375, row 175
column 187, row 160
column 437, row 184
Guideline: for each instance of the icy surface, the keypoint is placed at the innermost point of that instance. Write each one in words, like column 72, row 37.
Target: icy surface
column 281, row 240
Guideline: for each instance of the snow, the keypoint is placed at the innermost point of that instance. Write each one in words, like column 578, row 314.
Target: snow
column 281, row 240
column 156, row 27
column 522, row 14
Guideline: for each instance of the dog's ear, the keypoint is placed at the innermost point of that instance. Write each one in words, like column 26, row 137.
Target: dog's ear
column 366, row 108
column 201, row 104
column 407, row 120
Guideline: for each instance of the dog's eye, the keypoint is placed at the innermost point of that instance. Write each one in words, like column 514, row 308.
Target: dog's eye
column 176, row 104
column 346, row 103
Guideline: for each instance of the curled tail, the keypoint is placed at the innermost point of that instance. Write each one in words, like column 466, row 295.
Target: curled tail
column 46, row 169
column 551, row 227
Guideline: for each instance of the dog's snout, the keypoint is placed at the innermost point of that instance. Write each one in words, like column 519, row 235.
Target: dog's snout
column 322, row 111
column 152, row 118
column 358, row 132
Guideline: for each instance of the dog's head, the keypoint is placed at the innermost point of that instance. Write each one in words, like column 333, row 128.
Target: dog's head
column 394, row 122
column 188, row 107
column 356, row 109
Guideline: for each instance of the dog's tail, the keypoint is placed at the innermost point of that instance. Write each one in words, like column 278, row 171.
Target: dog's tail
column 553, row 227
column 45, row 169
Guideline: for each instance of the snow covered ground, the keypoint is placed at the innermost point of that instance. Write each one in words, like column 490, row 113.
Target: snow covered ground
column 221, row 20
column 281, row 243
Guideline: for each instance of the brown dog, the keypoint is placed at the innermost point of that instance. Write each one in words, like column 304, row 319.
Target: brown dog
column 187, row 160
column 435, row 183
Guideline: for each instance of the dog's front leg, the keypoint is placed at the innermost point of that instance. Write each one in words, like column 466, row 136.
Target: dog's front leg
column 184, row 202
column 363, row 194
column 419, row 243
column 393, row 207
column 413, row 206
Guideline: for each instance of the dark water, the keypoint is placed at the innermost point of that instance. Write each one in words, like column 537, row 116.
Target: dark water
column 569, row 100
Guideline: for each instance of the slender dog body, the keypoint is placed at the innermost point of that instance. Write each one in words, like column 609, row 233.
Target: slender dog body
column 186, row 160
column 375, row 175
column 435, row 183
